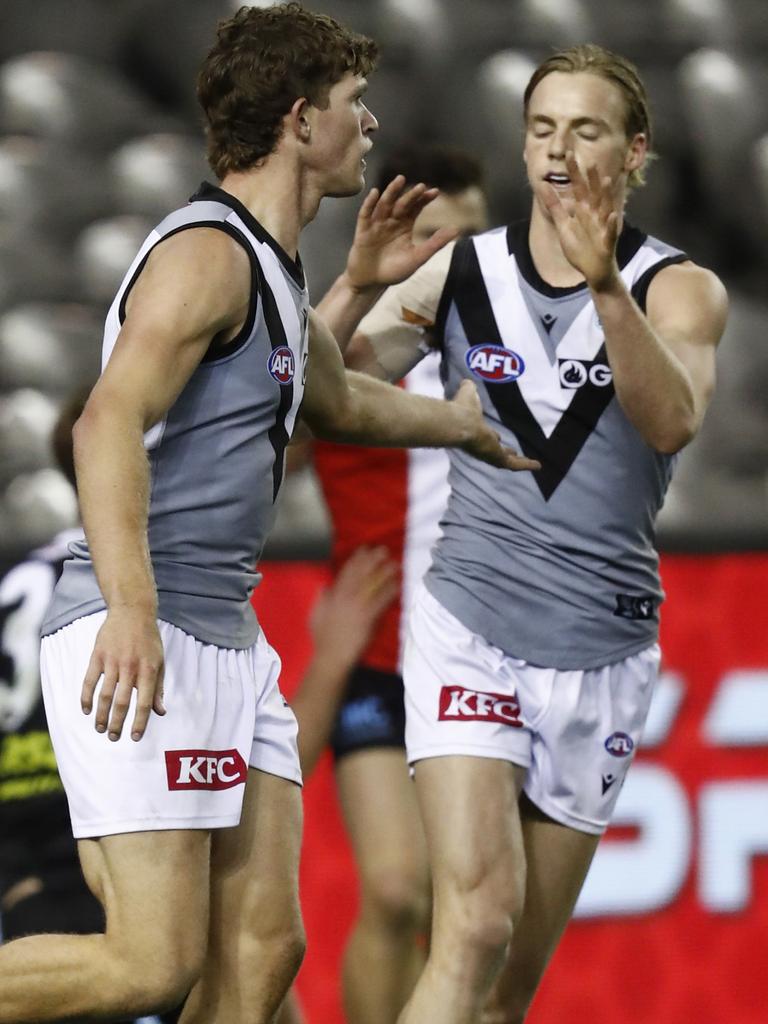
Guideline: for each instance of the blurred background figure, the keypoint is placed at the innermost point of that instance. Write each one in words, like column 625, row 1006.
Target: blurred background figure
column 394, row 499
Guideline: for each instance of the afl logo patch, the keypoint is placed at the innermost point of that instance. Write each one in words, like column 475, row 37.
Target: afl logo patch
column 494, row 363
column 619, row 744
column 282, row 365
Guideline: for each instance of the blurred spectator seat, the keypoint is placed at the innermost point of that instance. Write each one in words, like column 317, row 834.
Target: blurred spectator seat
column 155, row 174
column 55, row 347
column 691, row 24
column 76, row 101
column 32, row 268
column 36, row 506
column 48, row 190
column 103, row 253
column 27, row 418
column 90, row 28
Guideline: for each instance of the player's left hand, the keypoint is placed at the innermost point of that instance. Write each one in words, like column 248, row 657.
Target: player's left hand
column 383, row 251
column 587, row 223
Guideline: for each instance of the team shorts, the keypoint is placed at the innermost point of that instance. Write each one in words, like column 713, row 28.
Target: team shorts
column 574, row 731
column 371, row 713
column 224, row 713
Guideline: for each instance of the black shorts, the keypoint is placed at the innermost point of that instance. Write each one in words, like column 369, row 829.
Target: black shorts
column 371, row 714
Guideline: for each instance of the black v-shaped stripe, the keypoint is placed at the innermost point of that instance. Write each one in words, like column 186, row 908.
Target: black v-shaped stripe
column 557, row 452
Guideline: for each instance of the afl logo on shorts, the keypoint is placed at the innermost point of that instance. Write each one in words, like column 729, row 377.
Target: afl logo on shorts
column 619, row 744
column 282, row 365
column 494, row 363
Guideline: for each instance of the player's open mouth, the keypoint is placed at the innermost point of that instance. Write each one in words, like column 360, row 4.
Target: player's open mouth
column 558, row 180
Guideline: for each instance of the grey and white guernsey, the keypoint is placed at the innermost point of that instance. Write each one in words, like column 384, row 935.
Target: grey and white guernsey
column 216, row 459
column 556, row 567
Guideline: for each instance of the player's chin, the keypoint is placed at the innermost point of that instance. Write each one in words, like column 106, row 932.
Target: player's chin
column 350, row 185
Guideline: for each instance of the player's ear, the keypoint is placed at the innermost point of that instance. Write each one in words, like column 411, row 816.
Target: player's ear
column 637, row 153
column 299, row 121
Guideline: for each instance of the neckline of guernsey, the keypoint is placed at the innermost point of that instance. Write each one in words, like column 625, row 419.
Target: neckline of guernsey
column 210, row 192
column 630, row 241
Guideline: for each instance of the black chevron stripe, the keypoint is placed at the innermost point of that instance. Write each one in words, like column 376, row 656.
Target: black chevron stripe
column 557, row 452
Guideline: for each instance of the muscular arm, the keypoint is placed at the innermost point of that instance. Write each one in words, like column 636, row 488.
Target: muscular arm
column 194, row 287
column 664, row 363
column 342, row 405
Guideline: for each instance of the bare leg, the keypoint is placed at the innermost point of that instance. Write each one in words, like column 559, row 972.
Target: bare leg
column 558, row 860
column 290, row 1011
column 256, row 939
column 384, row 957
column 469, row 806
column 154, row 889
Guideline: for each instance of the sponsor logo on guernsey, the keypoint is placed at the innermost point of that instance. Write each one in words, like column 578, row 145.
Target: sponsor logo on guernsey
column 619, row 744
column 630, row 606
column 608, row 781
column 494, row 363
column 282, row 365
column 575, row 373
column 457, row 703
column 204, row 769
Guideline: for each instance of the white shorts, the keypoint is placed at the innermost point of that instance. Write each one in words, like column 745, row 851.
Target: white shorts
column 224, row 712
column 574, row 731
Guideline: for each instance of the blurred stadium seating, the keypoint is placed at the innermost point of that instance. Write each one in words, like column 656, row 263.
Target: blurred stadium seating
column 99, row 136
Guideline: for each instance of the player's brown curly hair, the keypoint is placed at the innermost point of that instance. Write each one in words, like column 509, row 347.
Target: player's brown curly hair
column 598, row 61
column 264, row 59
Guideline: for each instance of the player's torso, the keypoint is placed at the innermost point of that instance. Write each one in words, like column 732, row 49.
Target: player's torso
column 217, row 457
column 557, row 567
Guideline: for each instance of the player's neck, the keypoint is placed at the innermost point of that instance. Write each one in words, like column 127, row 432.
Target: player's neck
column 547, row 253
column 278, row 198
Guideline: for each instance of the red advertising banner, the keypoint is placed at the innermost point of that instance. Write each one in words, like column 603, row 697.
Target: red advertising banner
column 672, row 924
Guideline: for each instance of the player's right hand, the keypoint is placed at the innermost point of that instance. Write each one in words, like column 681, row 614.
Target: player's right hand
column 127, row 656
column 484, row 443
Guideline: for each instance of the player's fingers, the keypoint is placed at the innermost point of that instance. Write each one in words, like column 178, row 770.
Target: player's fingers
column 92, row 677
column 519, row 462
column 413, row 202
column 578, row 184
column 106, row 693
column 369, row 205
column 595, row 186
column 158, row 702
column 424, row 250
column 121, row 702
column 145, row 698
column 554, row 204
column 388, row 198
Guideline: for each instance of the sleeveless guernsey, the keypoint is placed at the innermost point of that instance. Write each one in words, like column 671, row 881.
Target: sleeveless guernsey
column 216, row 459
column 556, row 567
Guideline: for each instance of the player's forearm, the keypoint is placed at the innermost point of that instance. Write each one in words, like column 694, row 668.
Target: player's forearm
column 113, row 488
column 382, row 415
column 652, row 385
column 344, row 306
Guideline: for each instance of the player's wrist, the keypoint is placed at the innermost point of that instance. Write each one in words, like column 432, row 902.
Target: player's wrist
column 358, row 285
column 607, row 282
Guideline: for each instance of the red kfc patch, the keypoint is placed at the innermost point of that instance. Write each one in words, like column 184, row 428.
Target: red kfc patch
column 204, row 769
column 457, row 703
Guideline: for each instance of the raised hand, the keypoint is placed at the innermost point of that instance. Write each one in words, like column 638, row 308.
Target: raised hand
column 484, row 443
column 127, row 655
column 587, row 222
column 343, row 618
column 383, row 251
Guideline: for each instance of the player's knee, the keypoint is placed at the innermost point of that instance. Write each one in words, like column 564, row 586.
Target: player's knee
column 153, row 985
column 396, row 900
column 283, row 945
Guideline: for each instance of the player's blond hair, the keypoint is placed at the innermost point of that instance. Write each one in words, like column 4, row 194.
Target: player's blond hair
column 596, row 60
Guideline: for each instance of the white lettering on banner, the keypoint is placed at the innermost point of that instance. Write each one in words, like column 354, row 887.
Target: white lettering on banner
column 734, row 828
column 189, row 770
column 646, row 873
column 738, row 716
column 224, row 776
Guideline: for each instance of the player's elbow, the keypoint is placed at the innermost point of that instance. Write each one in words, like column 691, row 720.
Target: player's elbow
column 674, row 435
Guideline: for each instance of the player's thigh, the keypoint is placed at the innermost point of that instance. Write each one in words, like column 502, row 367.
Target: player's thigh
column 255, row 866
column 558, row 858
column 154, row 887
column 469, row 807
column 378, row 800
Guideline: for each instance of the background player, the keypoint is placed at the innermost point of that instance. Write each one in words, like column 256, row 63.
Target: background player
column 532, row 650
column 206, row 364
column 392, row 498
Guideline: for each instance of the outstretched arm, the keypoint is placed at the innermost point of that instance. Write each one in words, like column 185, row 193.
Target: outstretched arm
column 382, row 253
column 663, row 361
column 341, row 405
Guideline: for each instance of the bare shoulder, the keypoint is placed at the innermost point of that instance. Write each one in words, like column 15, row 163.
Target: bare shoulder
column 200, row 266
column 686, row 291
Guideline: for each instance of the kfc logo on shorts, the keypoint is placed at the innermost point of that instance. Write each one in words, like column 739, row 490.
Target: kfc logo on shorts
column 494, row 363
column 459, row 703
column 282, row 365
column 204, row 769
column 619, row 744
